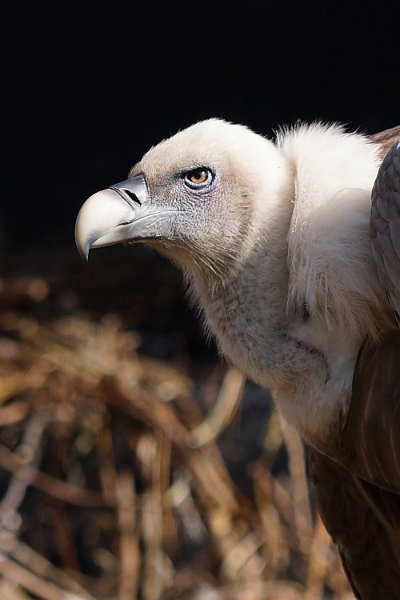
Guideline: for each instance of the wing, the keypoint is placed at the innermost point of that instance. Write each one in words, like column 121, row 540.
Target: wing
column 385, row 225
column 356, row 516
column 369, row 443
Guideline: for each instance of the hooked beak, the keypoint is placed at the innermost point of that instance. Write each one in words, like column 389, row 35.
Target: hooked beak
column 112, row 215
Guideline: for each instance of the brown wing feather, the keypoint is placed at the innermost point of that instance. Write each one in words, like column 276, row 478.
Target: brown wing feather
column 385, row 225
column 386, row 139
column 352, row 513
column 370, row 439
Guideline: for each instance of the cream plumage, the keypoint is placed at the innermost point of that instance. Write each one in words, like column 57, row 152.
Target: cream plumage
column 274, row 241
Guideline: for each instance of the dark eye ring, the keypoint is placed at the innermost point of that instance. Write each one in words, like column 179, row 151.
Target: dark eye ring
column 198, row 178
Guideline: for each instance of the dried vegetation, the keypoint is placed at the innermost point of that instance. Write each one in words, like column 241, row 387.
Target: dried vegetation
column 115, row 480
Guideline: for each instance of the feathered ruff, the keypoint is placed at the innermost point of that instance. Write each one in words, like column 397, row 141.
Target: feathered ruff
column 332, row 272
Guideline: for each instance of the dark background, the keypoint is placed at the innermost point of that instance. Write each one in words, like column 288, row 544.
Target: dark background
column 90, row 86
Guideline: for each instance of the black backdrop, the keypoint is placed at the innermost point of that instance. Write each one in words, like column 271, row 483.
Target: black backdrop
column 90, row 85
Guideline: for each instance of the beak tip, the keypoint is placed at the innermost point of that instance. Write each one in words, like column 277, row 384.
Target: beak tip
column 85, row 254
column 83, row 247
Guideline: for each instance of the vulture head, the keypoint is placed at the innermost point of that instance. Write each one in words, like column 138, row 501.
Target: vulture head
column 194, row 197
column 299, row 282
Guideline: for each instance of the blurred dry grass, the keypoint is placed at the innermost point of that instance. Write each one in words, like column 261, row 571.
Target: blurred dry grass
column 114, row 485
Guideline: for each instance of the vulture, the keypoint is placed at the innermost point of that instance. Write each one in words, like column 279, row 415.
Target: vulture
column 291, row 248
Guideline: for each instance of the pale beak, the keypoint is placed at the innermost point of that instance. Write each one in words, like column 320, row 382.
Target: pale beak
column 111, row 216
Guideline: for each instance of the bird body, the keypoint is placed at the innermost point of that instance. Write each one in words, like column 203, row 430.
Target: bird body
column 274, row 241
column 304, row 205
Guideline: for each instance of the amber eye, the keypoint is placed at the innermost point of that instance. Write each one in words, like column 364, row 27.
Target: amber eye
column 198, row 178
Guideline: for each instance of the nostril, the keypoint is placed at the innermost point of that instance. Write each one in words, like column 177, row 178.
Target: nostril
column 125, row 223
column 132, row 196
column 133, row 191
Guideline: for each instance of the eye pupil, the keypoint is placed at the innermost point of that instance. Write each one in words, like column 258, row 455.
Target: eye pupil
column 198, row 176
